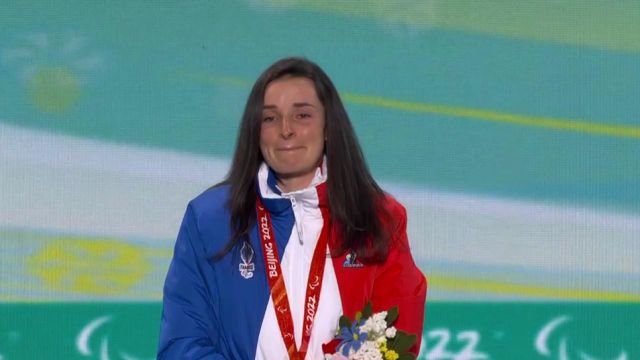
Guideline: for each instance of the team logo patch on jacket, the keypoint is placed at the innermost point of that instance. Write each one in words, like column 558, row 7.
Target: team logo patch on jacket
column 247, row 266
column 351, row 262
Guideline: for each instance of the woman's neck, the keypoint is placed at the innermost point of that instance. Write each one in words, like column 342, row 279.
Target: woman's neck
column 295, row 183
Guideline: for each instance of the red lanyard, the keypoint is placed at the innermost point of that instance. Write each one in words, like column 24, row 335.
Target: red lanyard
column 276, row 282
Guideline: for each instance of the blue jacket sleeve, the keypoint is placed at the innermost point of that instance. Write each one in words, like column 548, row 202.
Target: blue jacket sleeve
column 189, row 328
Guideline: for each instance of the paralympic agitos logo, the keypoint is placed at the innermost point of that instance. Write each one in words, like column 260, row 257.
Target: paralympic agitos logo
column 566, row 347
column 91, row 335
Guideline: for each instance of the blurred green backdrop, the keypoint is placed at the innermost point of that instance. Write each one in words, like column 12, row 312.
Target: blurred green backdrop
column 509, row 129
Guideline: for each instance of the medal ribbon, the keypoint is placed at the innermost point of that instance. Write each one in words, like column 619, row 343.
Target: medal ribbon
column 276, row 282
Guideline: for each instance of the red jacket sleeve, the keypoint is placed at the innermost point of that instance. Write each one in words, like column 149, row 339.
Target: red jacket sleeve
column 399, row 282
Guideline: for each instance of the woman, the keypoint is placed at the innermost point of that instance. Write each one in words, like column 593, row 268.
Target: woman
column 298, row 234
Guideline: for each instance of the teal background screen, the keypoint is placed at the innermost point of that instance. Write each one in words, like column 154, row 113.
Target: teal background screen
column 510, row 130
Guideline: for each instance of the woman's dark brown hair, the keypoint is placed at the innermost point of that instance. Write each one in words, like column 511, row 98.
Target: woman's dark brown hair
column 355, row 199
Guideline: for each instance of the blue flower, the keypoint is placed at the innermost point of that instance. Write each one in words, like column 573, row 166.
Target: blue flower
column 352, row 338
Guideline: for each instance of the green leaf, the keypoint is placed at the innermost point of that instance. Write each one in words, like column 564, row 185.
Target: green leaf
column 403, row 341
column 407, row 356
column 392, row 315
column 358, row 316
column 344, row 322
column 391, row 344
column 368, row 310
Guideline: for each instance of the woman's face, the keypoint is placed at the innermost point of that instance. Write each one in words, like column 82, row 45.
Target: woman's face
column 292, row 131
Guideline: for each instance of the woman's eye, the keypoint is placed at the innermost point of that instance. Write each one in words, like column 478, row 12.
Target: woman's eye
column 303, row 116
column 267, row 119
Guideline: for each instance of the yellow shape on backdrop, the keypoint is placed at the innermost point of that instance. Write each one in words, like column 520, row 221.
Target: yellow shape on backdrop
column 478, row 285
column 54, row 89
column 97, row 266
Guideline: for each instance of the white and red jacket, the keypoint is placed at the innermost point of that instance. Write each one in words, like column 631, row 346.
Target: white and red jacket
column 212, row 311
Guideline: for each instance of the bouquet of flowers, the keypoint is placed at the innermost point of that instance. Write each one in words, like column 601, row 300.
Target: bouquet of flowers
column 370, row 337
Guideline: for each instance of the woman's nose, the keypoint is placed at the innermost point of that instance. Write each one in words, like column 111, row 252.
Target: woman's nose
column 286, row 130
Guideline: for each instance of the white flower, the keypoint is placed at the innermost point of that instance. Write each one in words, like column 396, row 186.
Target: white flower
column 368, row 351
column 375, row 325
column 380, row 317
column 390, row 332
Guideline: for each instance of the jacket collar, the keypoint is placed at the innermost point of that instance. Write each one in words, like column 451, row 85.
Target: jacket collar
column 276, row 201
